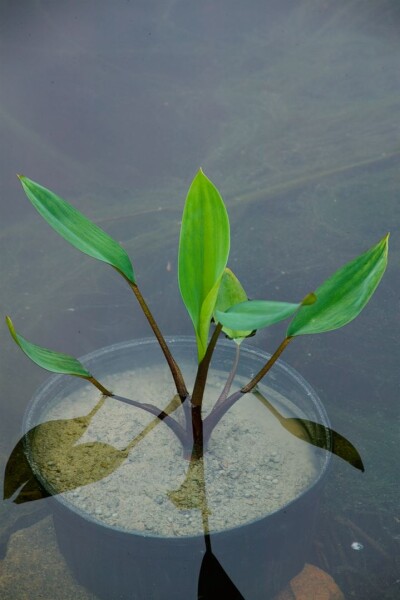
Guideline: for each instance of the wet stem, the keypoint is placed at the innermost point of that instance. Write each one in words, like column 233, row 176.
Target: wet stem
column 202, row 429
column 222, row 407
column 175, row 371
column 195, row 435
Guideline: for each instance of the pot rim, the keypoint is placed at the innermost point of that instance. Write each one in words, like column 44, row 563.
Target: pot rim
column 56, row 379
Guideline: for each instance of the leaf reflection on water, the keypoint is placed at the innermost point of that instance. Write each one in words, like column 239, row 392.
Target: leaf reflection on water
column 71, row 465
column 316, row 434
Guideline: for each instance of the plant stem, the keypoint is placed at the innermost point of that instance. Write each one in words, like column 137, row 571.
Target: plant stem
column 216, row 415
column 197, row 428
column 100, row 387
column 162, row 415
column 229, row 381
column 198, row 393
column 175, row 371
column 202, row 369
column 267, row 366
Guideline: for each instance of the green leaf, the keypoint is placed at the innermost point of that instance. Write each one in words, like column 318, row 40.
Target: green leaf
column 203, row 254
column 256, row 314
column 77, row 229
column 48, row 359
column 343, row 296
column 230, row 293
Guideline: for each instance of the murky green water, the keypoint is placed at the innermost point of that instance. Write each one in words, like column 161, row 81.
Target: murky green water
column 292, row 109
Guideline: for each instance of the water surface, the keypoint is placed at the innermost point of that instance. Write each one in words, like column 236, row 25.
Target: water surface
column 292, row 109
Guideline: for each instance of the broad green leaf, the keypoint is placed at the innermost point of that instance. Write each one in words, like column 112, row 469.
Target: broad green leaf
column 48, row 359
column 343, row 296
column 203, row 254
column 77, row 229
column 256, row 314
column 230, row 293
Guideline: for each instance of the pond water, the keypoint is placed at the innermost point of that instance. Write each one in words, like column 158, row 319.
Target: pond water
column 292, row 109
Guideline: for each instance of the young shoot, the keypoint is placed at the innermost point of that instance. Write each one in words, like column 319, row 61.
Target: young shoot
column 214, row 299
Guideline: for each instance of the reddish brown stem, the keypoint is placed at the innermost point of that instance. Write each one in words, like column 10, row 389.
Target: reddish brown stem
column 175, row 370
column 266, row 367
column 216, row 415
column 197, row 426
column 202, row 370
column 179, row 431
column 99, row 386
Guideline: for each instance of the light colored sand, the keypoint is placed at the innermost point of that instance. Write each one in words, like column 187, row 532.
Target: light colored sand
column 252, row 466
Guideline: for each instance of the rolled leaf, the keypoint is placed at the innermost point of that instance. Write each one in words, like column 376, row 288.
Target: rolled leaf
column 256, row 314
column 203, row 254
column 343, row 296
column 230, row 293
column 77, row 229
column 48, row 359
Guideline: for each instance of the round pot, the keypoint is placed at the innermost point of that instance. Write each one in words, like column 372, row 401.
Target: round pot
column 258, row 554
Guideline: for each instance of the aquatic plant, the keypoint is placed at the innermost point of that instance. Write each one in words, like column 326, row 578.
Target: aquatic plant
column 213, row 297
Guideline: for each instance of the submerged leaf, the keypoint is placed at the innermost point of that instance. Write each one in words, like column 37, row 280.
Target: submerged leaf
column 316, row 434
column 49, row 359
column 256, row 314
column 20, row 483
column 231, row 293
column 73, row 465
column 203, row 254
column 77, row 229
column 343, row 296
column 61, row 461
column 60, row 434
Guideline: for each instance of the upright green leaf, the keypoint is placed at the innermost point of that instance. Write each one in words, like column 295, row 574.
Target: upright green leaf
column 77, row 229
column 48, row 359
column 343, row 296
column 231, row 292
column 203, row 254
column 256, row 314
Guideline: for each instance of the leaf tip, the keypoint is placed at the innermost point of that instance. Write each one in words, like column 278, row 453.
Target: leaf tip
column 385, row 243
column 11, row 329
column 201, row 175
